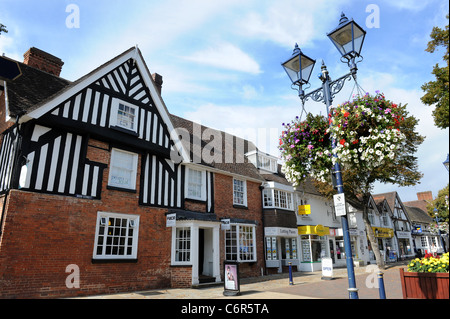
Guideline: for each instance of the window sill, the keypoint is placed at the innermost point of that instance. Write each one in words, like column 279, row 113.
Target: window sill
column 240, row 206
column 115, row 188
column 114, row 260
column 124, row 130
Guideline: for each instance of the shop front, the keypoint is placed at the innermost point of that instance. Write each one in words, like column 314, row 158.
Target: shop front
column 314, row 246
column 281, row 248
column 386, row 245
column 405, row 247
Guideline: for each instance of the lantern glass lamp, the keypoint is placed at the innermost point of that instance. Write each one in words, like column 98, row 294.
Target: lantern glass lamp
column 299, row 67
column 348, row 38
column 446, row 163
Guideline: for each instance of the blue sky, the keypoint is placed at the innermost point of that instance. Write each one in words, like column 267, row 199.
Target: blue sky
column 220, row 60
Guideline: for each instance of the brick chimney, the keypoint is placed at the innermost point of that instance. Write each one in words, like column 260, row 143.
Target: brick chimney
column 43, row 61
column 425, row 195
column 158, row 81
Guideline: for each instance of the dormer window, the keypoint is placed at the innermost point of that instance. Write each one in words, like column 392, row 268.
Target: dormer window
column 267, row 163
column 124, row 117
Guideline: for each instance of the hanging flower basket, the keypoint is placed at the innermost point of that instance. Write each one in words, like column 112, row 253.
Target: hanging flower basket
column 366, row 132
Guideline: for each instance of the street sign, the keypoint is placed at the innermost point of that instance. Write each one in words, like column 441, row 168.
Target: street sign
column 9, row 69
column 226, row 224
column 339, row 205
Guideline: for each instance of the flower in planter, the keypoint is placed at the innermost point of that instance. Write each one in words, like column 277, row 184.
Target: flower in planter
column 429, row 264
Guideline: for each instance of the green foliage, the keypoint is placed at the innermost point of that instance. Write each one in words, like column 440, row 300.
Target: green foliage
column 436, row 92
column 3, row 28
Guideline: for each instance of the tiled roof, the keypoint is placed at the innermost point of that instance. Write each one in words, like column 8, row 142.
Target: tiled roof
column 31, row 88
column 418, row 215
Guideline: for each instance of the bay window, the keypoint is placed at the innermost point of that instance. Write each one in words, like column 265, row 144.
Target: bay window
column 240, row 243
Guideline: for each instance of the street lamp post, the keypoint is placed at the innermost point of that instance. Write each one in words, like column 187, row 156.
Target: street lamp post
column 439, row 230
column 348, row 38
column 446, row 163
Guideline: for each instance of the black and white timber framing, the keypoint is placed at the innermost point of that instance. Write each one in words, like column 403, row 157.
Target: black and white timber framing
column 55, row 134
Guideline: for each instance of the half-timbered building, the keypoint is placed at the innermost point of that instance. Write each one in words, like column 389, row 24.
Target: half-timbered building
column 91, row 170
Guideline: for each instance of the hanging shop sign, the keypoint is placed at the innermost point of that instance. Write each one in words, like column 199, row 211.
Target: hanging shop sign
column 304, row 209
column 226, row 224
column 313, row 230
column 383, row 232
column 171, row 220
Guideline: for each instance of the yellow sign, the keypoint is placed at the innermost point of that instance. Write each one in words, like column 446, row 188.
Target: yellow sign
column 304, row 209
column 313, row 230
column 383, row 232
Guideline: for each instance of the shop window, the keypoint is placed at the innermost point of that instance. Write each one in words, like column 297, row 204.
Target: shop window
column 123, row 169
column 116, row 236
column 314, row 248
column 271, row 248
column 182, row 245
column 240, row 243
column 289, row 248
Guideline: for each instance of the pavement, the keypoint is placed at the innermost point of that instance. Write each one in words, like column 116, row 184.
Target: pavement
column 306, row 286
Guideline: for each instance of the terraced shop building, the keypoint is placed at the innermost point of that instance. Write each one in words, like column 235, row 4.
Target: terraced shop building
column 90, row 171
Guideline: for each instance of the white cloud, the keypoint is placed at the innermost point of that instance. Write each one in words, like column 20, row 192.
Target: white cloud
column 289, row 21
column 226, row 56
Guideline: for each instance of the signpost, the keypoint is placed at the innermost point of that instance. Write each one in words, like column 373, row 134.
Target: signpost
column 339, row 204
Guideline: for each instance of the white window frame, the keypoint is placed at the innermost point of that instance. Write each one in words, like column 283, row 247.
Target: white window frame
column 236, row 191
column 120, row 236
column 184, row 249
column 240, row 249
column 277, row 197
column 189, row 174
column 113, row 165
column 114, row 118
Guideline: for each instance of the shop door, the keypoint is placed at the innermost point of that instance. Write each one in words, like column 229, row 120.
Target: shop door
column 205, row 253
column 331, row 241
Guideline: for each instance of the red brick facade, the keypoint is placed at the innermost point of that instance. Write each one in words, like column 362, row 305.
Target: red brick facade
column 43, row 234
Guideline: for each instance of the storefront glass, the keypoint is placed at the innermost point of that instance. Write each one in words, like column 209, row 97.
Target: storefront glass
column 314, row 248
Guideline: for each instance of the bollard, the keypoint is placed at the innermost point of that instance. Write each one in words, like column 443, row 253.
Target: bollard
column 291, row 281
column 381, row 285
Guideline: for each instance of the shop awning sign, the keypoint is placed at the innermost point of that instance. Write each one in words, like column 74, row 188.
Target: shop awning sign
column 339, row 204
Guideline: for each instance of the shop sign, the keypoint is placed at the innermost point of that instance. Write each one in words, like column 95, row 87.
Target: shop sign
column 304, row 209
column 417, row 230
column 327, row 268
column 226, row 224
column 313, row 230
column 402, row 234
column 280, row 231
column 339, row 204
column 383, row 232
column 171, row 220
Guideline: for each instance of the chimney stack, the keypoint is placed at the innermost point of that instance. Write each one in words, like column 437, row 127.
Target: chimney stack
column 426, row 196
column 43, row 61
column 158, row 81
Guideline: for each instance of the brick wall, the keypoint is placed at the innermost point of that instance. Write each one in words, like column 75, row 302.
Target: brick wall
column 43, row 234
column 223, row 205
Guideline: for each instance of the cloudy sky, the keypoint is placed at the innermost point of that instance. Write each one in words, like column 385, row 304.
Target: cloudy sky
column 220, row 60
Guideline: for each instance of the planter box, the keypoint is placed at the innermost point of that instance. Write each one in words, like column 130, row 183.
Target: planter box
column 424, row 286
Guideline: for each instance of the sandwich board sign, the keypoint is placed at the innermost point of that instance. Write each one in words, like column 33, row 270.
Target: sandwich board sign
column 339, row 204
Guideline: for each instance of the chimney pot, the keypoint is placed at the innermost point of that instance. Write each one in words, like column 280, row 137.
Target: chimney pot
column 43, row 61
column 158, row 81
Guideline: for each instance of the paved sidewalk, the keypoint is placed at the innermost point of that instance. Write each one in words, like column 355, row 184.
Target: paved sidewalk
column 306, row 286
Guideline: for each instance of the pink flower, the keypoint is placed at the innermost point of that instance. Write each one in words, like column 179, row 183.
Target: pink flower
column 310, row 147
column 387, row 111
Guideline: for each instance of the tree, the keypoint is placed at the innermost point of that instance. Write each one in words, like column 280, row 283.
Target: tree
column 376, row 141
column 441, row 204
column 3, row 28
column 436, row 92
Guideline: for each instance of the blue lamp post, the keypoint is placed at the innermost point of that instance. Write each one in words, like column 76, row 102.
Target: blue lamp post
column 446, row 163
column 348, row 38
